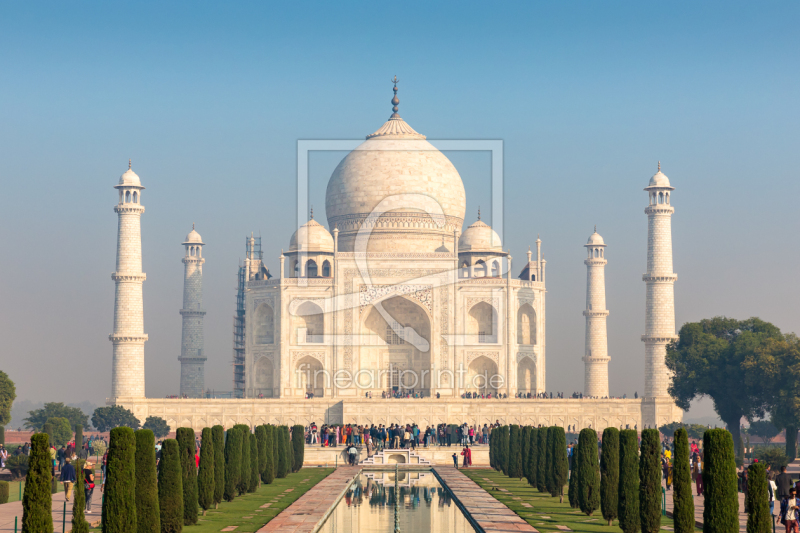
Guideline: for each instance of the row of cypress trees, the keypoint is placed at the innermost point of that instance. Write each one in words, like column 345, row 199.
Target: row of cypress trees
column 140, row 498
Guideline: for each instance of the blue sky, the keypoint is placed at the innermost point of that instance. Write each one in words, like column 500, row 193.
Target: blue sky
column 210, row 98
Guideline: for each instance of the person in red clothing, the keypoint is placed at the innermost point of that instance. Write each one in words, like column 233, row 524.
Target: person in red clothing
column 197, row 457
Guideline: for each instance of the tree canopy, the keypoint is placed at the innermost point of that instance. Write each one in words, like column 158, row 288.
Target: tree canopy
column 694, row 431
column 37, row 418
column 8, row 393
column 157, row 425
column 763, row 429
column 709, row 359
column 106, row 418
column 62, row 432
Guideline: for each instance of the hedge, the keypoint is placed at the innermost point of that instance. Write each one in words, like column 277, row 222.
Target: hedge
column 218, row 437
column 119, row 498
column 284, row 462
column 628, row 509
column 682, row 499
column 255, row 475
column 36, row 500
column 206, row 481
column 757, row 498
column 514, row 452
column 268, row 475
column 720, row 487
column 187, row 450
column 541, row 467
column 298, row 447
column 650, row 481
column 170, row 488
column 560, row 462
column 609, row 474
column 147, row 512
column 233, row 462
column 588, row 472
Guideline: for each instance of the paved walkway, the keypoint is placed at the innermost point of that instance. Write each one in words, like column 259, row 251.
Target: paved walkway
column 313, row 506
column 8, row 511
column 491, row 515
column 699, row 505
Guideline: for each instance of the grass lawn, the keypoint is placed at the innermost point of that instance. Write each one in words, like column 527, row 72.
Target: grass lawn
column 543, row 505
column 246, row 512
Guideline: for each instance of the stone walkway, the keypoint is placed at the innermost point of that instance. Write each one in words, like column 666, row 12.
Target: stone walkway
column 491, row 515
column 313, row 506
column 699, row 505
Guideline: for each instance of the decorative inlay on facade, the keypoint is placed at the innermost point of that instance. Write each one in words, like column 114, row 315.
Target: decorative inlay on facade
column 444, row 350
column 297, row 302
column 523, row 355
column 422, row 294
column 395, row 255
column 319, row 356
column 394, row 220
column 494, row 302
column 494, row 356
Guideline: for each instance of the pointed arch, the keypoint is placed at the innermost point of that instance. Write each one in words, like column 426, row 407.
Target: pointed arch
column 264, row 329
column 482, row 322
column 526, row 325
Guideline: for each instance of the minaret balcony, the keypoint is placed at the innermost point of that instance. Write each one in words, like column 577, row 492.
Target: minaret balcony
column 128, row 276
column 660, row 278
column 595, row 312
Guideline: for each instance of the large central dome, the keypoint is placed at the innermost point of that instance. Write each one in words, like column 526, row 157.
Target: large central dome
column 397, row 177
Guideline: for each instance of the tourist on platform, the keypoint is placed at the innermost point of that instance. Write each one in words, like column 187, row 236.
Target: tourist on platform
column 697, row 472
column 455, row 460
column 351, row 452
column 773, row 489
column 467, row 453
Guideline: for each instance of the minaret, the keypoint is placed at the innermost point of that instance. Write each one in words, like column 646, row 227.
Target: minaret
column 596, row 351
column 659, row 320
column 192, row 356
column 127, row 369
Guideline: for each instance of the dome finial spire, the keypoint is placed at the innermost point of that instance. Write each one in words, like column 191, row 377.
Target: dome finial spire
column 395, row 100
column 192, row 225
column 595, row 228
column 312, row 212
column 479, row 212
column 659, row 166
column 129, row 164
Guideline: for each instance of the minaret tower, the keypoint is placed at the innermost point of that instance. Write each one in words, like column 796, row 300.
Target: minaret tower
column 596, row 351
column 659, row 320
column 127, row 369
column 192, row 351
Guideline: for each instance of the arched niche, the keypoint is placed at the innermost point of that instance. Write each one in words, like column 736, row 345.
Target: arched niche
column 263, row 373
column 309, row 317
column 526, row 375
column 526, row 325
column 482, row 322
column 480, row 372
column 310, row 376
column 264, row 325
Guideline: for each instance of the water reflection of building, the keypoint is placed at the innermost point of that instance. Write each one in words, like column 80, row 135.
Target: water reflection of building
column 424, row 505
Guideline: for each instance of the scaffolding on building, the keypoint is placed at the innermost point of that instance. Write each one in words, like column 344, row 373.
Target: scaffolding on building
column 252, row 268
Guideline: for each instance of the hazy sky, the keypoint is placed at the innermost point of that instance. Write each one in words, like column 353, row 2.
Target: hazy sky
column 210, row 98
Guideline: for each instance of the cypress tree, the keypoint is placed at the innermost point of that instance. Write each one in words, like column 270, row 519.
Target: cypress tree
column 514, row 452
column 283, row 452
column 526, row 446
column 187, row 450
column 79, row 523
column 119, row 499
column 243, row 483
column 682, row 499
column 79, row 440
column 505, row 448
column 560, row 462
column 298, row 447
column 628, row 510
column 497, row 437
column 549, row 484
column 290, row 447
column 609, row 474
column 274, row 434
column 588, row 472
column 492, row 448
column 759, row 519
column 147, row 512
column 233, row 462
column 36, row 500
column 206, row 482
column 269, row 470
column 47, row 428
column 255, row 475
column 720, row 492
column 261, row 438
column 650, row 481
column 533, row 456
column 541, row 467
column 218, row 437
column 573, row 488
column 170, row 488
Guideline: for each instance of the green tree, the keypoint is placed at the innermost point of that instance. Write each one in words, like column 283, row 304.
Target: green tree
column 682, row 499
column 170, row 488
column 720, row 492
column 284, row 462
column 244, row 470
column 514, row 452
column 36, row 500
column 533, row 456
column 62, row 431
column 8, row 393
column 298, row 447
column 47, row 429
column 525, row 440
column 772, row 456
column 148, row 515
column 541, row 466
column 549, row 482
column 206, row 483
column 711, row 359
column 38, row 417
column 759, row 519
column 274, row 435
column 157, row 425
column 78, row 438
column 119, row 498
column 106, row 418
column 763, row 429
column 628, row 511
column 572, row 490
column 609, row 474
column 218, row 436
column 187, row 451
column 255, row 476
column 268, row 475
column 560, row 462
column 233, row 462
column 79, row 523
column 650, row 481
column 588, row 472
column 261, row 438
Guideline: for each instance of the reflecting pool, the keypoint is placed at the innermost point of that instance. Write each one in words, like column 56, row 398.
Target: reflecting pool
column 371, row 504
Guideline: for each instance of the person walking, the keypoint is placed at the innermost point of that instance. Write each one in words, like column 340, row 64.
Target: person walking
column 352, row 451
column 88, row 485
column 67, row 477
column 784, row 483
column 455, row 460
column 789, row 512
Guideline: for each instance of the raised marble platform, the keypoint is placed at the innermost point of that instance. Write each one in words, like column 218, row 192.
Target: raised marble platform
column 433, row 455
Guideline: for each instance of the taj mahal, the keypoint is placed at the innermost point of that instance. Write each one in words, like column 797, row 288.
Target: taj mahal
column 393, row 295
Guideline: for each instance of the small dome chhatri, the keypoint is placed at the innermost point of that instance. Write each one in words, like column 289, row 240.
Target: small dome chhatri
column 193, row 237
column 595, row 239
column 311, row 237
column 479, row 237
column 129, row 178
column 659, row 180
